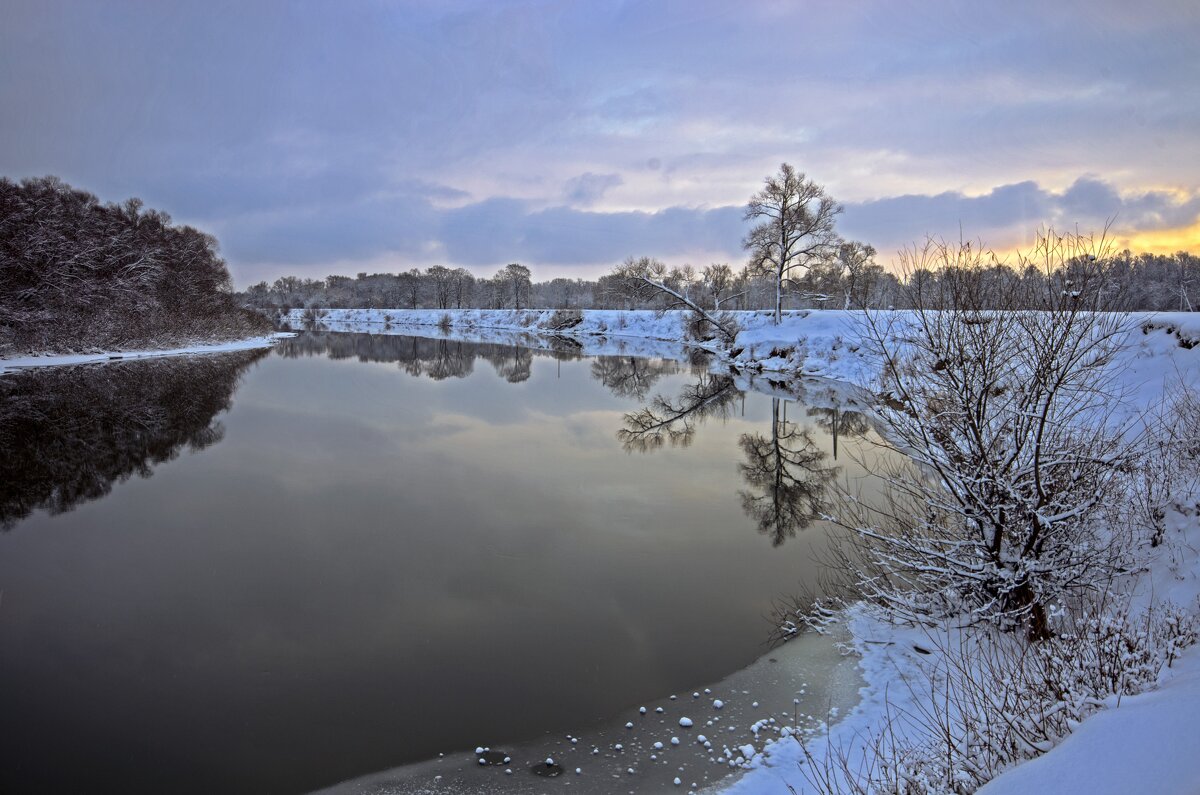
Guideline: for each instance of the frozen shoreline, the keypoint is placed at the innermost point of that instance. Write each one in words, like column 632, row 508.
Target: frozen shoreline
column 59, row 360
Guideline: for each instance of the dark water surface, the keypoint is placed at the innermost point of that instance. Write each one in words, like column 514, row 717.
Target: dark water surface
column 360, row 551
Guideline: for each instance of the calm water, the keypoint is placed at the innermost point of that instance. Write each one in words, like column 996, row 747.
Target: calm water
column 273, row 571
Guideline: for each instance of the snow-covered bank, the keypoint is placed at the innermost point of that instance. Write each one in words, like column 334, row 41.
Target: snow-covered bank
column 1161, row 349
column 25, row 362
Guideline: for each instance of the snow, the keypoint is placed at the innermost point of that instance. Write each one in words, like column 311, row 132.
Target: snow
column 1148, row 744
column 58, row 360
column 685, row 722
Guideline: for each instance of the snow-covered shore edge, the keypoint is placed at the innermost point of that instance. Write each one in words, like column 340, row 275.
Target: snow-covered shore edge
column 807, row 343
column 59, row 360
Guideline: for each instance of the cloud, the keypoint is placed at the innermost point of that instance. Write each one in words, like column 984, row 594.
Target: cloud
column 571, row 134
column 1009, row 215
column 413, row 230
column 587, row 188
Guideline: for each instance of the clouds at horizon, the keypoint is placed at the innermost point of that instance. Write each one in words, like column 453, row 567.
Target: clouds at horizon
column 568, row 136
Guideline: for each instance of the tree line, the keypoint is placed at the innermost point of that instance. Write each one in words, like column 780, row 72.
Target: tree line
column 76, row 274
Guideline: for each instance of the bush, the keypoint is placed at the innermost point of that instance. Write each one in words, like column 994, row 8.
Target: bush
column 1004, row 413
column 984, row 701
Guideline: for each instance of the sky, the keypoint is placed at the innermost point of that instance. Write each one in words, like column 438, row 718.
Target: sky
column 337, row 137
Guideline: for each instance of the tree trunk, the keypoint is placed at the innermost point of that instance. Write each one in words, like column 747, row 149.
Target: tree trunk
column 779, row 298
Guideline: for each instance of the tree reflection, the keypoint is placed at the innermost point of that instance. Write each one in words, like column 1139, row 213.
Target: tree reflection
column 513, row 363
column 69, row 433
column 673, row 422
column 784, row 471
column 785, row 477
column 436, row 358
column 631, row 376
column 838, row 423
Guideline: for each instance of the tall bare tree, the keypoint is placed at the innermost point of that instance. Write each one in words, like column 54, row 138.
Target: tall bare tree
column 795, row 228
column 718, row 279
column 516, row 283
column 857, row 261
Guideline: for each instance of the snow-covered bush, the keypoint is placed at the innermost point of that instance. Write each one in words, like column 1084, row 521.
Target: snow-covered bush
column 1004, row 417
column 1023, row 504
column 985, row 700
column 76, row 274
column 1167, row 477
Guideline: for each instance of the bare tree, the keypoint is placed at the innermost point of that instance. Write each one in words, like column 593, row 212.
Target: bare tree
column 409, row 287
column 463, row 286
column 441, row 279
column 718, row 280
column 513, row 282
column 796, row 228
column 857, row 262
column 1001, row 406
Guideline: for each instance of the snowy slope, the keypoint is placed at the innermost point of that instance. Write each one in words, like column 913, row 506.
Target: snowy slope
column 1151, row 743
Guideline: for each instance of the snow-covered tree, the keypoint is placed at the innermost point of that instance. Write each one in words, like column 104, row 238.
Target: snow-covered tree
column 795, row 228
column 1001, row 405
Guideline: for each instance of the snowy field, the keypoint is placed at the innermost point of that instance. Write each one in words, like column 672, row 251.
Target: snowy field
column 1146, row 740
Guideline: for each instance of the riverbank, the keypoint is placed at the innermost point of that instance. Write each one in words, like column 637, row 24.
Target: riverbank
column 1160, row 349
column 58, row 360
column 806, row 343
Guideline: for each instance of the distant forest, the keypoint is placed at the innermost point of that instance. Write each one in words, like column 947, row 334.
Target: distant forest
column 1152, row 282
column 78, row 275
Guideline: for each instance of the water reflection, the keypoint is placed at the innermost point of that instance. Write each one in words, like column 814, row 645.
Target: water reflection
column 785, row 473
column 673, row 422
column 784, row 470
column 372, row 568
column 631, row 376
column 431, row 357
column 70, row 433
column 785, row 476
column 839, row 423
